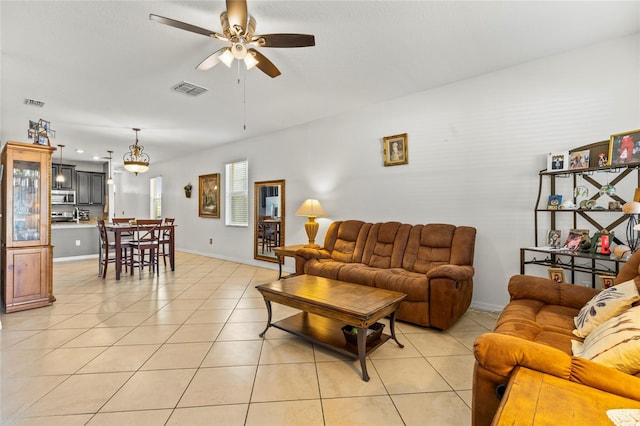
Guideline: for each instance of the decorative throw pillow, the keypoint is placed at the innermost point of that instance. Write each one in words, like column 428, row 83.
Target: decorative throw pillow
column 615, row 343
column 604, row 305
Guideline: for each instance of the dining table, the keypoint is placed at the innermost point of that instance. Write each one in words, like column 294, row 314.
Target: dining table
column 123, row 228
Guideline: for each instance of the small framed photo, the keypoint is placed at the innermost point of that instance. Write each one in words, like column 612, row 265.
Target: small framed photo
column 44, row 124
column 606, row 281
column 636, row 195
column 396, row 150
column 579, row 160
column 557, row 161
column 554, row 202
column 624, row 148
column 556, row 274
column 209, row 195
column 573, row 241
column 554, row 238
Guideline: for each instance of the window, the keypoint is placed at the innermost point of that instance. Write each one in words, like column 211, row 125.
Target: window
column 237, row 194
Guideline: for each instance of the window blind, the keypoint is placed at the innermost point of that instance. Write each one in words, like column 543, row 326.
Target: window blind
column 237, row 194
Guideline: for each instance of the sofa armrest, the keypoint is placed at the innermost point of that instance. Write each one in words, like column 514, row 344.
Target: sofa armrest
column 453, row 272
column 549, row 291
column 307, row 253
column 501, row 353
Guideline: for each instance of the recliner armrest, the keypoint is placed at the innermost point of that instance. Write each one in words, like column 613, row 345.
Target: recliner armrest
column 313, row 253
column 453, row 272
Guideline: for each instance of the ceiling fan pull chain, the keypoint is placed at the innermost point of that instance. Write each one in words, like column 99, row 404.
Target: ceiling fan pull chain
column 244, row 103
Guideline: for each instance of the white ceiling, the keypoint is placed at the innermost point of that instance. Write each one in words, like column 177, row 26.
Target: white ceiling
column 102, row 67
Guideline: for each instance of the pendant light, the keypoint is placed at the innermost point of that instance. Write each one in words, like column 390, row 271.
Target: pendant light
column 136, row 161
column 110, row 180
column 60, row 176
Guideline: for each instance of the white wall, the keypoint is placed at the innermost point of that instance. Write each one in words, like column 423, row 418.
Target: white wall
column 475, row 149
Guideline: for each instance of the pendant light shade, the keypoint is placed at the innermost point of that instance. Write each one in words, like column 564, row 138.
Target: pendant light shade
column 60, row 176
column 136, row 161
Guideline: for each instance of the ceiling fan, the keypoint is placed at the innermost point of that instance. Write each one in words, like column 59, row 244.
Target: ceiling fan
column 238, row 28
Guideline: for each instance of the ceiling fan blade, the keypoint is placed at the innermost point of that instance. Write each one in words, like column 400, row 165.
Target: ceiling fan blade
column 211, row 60
column 185, row 26
column 265, row 65
column 237, row 14
column 284, row 40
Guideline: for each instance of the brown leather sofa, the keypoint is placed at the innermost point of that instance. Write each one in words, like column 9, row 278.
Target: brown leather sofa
column 432, row 264
column 535, row 331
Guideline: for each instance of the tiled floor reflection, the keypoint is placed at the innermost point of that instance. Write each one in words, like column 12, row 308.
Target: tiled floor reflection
column 183, row 349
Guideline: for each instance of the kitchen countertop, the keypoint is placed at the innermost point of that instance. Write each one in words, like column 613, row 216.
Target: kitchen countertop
column 73, row 224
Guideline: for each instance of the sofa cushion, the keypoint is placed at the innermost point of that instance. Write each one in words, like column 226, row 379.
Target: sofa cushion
column 345, row 240
column 358, row 273
column 533, row 320
column 428, row 246
column 385, row 245
column 615, row 343
column 327, row 268
column 604, row 305
column 413, row 284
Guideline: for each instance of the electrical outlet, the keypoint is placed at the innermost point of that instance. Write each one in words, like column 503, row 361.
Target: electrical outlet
column 210, row 240
column 77, row 242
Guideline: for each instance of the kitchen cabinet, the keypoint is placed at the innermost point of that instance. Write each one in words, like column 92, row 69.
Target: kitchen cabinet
column 27, row 254
column 67, row 171
column 89, row 188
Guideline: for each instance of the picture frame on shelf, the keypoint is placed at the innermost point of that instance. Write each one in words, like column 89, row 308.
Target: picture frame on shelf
column 554, row 238
column 395, row 150
column 554, row 201
column 606, row 281
column 636, row 195
column 557, row 161
column 579, row 160
column 556, row 274
column 624, row 148
column 573, row 241
column 209, row 195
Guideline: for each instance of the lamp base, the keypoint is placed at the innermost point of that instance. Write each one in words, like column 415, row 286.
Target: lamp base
column 315, row 246
column 312, row 229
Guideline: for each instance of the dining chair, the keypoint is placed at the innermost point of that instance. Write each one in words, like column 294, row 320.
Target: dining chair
column 108, row 249
column 124, row 221
column 165, row 239
column 146, row 239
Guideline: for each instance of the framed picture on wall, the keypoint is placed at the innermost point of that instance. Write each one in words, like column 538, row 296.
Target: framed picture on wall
column 209, row 195
column 396, row 150
column 624, row 148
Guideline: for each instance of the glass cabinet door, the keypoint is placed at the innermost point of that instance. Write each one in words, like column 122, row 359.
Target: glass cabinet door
column 26, row 200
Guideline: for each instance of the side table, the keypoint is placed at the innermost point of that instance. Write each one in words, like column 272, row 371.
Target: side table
column 285, row 251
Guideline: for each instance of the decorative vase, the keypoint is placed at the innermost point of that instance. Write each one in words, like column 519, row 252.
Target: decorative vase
column 187, row 193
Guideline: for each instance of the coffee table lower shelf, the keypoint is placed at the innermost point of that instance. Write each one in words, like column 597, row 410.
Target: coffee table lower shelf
column 326, row 332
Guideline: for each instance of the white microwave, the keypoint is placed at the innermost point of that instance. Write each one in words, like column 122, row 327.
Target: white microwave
column 63, row 197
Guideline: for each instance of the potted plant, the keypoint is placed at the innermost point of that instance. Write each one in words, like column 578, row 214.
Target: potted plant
column 187, row 190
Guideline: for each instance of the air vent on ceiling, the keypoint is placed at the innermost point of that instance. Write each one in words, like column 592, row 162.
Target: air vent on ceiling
column 189, row 88
column 33, row 102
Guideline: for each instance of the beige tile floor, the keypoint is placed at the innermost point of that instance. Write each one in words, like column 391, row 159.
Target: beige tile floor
column 183, row 349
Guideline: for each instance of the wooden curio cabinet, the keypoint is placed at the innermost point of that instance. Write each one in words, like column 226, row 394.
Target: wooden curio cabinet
column 27, row 254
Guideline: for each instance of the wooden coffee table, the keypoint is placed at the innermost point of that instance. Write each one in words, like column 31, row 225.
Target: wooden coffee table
column 327, row 306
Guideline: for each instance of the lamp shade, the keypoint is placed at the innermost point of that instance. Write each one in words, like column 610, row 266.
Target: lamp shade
column 632, row 207
column 311, row 208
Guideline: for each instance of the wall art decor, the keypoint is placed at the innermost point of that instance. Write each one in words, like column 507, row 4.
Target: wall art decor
column 624, row 148
column 209, row 195
column 396, row 150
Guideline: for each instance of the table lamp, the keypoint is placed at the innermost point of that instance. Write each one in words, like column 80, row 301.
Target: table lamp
column 312, row 209
column 632, row 208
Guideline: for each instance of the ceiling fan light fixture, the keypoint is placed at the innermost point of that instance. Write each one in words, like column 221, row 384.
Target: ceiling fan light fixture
column 136, row 161
column 226, row 57
column 250, row 61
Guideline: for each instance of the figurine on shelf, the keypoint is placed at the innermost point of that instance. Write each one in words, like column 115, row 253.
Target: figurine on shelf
column 602, row 159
